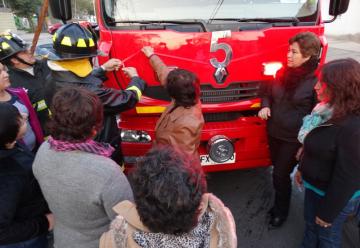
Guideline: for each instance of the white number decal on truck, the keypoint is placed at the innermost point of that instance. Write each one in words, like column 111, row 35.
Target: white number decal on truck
column 221, row 72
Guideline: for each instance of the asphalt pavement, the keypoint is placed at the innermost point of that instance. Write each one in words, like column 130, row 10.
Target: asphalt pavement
column 248, row 193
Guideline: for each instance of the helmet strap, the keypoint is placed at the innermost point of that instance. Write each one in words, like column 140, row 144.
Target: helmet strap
column 23, row 61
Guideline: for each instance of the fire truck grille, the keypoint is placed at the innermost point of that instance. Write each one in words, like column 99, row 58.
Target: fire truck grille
column 233, row 93
column 228, row 116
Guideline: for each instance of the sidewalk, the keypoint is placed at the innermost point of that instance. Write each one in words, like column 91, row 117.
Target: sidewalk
column 342, row 48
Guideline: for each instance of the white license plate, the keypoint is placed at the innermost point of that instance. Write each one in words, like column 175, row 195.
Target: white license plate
column 205, row 160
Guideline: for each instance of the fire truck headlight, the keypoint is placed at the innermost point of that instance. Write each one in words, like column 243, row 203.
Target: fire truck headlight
column 271, row 68
column 135, row 136
column 220, row 148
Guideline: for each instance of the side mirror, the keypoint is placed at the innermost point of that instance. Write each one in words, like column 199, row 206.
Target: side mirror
column 338, row 7
column 61, row 9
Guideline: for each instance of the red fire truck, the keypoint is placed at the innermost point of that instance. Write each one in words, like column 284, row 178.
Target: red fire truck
column 233, row 46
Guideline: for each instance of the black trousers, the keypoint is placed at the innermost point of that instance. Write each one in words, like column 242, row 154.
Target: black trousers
column 283, row 159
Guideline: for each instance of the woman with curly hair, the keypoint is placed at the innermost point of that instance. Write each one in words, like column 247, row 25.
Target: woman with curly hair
column 79, row 180
column 287, row 100
column 172, row 208
column 329, row 169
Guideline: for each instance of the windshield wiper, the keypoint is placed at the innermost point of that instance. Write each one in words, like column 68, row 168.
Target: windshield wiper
column 268, row 20
column 161, row 22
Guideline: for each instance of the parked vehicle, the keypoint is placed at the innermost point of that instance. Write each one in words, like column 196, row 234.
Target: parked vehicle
column 233, row 46
column 52, row 28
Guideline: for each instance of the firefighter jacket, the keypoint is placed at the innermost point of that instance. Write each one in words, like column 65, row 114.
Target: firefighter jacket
column 35, row 87
column 114, row 101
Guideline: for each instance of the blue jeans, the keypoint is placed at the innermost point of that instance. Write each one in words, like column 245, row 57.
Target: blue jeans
column 316, row 236
column 38, row 242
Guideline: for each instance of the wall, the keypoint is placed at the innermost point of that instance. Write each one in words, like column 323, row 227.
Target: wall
column 7, row 21
column 346, row 24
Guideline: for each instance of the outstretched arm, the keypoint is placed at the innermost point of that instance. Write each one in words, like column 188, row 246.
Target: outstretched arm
column 157, row 64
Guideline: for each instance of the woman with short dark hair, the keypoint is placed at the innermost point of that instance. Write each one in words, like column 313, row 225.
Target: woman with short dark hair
column 24, row 214
column 181, row 123
column 330, row 166
column 79, row 180
column 172, row 208
column 287, row 100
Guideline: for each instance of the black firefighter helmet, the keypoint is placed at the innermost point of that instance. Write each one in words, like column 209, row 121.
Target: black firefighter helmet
column 70, row 41
column 11, row 44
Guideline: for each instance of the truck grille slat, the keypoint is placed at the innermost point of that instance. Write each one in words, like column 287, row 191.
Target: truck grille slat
column 233, row 93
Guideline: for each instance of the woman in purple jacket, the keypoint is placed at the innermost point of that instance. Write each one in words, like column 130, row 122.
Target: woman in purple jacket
column 18, row 97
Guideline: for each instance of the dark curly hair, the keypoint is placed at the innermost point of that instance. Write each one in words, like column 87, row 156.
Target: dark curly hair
column 10, row 122
column 168, row 186
column 76, row 111
column 309, row 44
column 342, row 78
column 183, row 86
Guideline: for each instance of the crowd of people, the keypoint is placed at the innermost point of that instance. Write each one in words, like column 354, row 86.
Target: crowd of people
column 61, row 165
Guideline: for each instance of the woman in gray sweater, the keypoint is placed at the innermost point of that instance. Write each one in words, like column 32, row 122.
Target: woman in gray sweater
column 80, row 182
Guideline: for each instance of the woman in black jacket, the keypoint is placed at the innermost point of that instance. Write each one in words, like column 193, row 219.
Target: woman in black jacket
column 24, row 214
column 330, row 167
column 285, row 102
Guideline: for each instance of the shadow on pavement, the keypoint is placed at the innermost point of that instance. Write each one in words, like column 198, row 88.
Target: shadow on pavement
column 249, row 195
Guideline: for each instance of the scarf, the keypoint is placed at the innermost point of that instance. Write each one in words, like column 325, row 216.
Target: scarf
column 199, row 237
column 321, row 113
column 90, row 146
column 292, row 77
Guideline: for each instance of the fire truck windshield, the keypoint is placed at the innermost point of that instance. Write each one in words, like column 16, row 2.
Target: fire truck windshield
column 131, row 11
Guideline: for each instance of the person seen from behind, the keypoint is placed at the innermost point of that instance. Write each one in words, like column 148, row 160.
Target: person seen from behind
column 284, row 104
column 25, row 218
column 330, row 167
column 80, row 182
column 172, row 208
column 18, row 97
column 181, row 123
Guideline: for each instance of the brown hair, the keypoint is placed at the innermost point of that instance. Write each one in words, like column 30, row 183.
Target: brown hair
column 342, row 78
column 75, row 113
column 183, row 86
column 309, row 44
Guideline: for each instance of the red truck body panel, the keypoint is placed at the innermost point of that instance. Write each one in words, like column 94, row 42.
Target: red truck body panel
column 191, row 50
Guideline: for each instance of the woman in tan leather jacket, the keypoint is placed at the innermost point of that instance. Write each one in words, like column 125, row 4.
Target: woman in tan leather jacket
column 181, row 123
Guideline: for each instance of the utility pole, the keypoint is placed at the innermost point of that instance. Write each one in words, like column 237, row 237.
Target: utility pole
column 43, row 12
column 75, row 8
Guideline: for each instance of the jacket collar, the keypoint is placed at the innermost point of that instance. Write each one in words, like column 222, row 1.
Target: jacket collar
column 5, row 153
column 128, row 210
column 176, row 113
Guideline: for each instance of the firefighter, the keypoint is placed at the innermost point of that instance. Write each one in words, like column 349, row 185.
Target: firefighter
column 69, row 60
column 26, row 72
